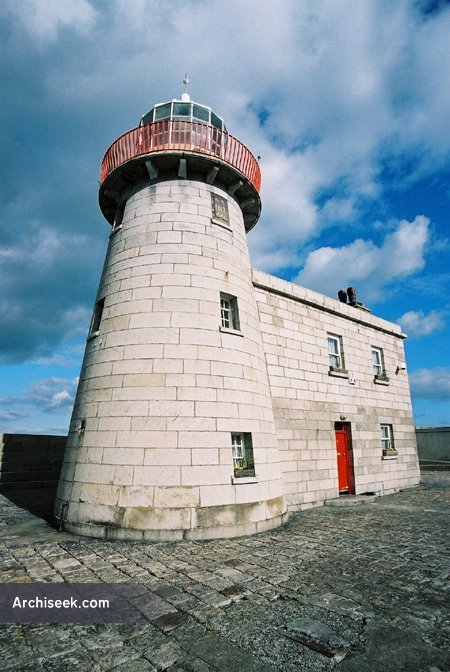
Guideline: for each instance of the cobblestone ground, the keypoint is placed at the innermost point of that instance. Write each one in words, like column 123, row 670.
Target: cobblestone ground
column 377, row 575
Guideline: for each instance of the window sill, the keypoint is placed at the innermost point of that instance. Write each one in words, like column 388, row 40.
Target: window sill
column 390, row 454
column 381, row 381
column 227, row 330
column 237, row 480
column 118, row 228
column 338, row 373
column 222, row 224
column 93, row 335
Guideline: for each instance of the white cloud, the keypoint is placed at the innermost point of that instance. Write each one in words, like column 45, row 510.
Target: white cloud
column 416, row 323
column 44, row 287
column 329, row 94
column 368, row 267
column 431, row 383
column 51, row 393
column 44, row 400
column 43, row 19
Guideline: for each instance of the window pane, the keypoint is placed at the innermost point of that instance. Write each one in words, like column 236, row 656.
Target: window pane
column 333, row 345
column 215, row 120
column 181, row 109
column 148, row 118
column 242, row 449
column 201, row 113
column 334, row 352
column 229, row 313
column 225, row 312
column 162, row 111
column 386, row 437
column 238, row 450
column 335, row 361
column 377, row 361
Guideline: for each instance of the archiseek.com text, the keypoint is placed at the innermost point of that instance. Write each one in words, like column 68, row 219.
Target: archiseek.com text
column 69, row 603
column 76, row 603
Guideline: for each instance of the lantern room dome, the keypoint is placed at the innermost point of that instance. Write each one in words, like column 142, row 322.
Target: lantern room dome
column 180, row 139
column 185, row 109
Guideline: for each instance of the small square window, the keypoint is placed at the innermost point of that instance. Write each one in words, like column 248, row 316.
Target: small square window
column 97, row 317
column 335, row 353
column 219, row 207
column 387, row 440
column 229, row 315
column 242, row 448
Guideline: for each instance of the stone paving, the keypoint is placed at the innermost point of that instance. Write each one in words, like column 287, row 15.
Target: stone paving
column 375, row 576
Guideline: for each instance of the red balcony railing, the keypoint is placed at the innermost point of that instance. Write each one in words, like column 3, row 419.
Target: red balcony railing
column 181, row 136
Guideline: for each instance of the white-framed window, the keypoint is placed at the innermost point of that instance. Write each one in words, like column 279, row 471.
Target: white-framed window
column 387, row 439
column 335, row 353
column 229, row 315
column 377, row 361
column 97, row 317
column 242, row 449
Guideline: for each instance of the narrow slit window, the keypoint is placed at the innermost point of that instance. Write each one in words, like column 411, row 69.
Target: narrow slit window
column 242, row 449
column 118, row 217
column 97, row 317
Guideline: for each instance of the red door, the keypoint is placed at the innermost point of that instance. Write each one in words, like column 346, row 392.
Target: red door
column 344, row 458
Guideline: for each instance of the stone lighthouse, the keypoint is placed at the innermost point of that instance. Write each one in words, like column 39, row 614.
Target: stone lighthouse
column 172, row 434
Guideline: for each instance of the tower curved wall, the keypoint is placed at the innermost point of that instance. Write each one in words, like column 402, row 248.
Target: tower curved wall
column 164, row 384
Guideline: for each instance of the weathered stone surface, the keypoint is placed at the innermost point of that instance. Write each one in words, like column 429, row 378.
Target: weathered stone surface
column 159, row 368
column 317, row 636
column 391, row 649
column 351, row 500
column 374, row 576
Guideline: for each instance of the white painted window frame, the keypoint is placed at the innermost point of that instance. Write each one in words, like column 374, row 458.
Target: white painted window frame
column 387, row 438
column 229, row 313
column 335, row 356
column 377, row 361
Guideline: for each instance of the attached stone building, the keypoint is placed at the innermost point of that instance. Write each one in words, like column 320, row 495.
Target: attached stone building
column 213, row 398
column 360, row 405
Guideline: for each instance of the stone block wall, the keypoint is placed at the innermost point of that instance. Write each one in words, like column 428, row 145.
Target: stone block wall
column 163, row 384
column 433, row 444
column 307, row 400
column 29, row 469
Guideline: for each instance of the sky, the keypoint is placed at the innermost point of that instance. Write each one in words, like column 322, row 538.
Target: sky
column 346, row 101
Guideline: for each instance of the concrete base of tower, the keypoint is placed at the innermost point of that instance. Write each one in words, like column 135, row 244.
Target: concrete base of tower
column 215, row 522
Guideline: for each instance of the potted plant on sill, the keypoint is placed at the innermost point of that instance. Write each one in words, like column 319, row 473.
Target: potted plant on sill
column 389, row 452
column 243, row 472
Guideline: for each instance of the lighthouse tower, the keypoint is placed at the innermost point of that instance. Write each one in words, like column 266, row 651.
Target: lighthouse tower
column 172, row 434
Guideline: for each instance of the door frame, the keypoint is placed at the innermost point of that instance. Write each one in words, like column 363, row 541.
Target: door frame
column 347, row 429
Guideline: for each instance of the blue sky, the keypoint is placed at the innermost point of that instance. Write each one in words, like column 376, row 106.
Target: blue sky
column 346, row 101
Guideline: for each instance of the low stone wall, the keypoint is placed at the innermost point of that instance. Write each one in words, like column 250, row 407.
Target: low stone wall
column 29, row 469
column 433, row 444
